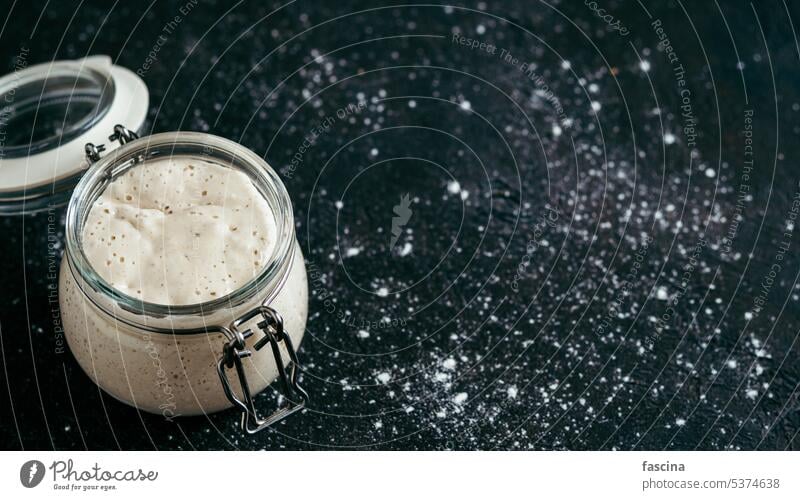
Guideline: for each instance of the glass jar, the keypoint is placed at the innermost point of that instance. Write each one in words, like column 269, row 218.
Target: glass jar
column 197, row 358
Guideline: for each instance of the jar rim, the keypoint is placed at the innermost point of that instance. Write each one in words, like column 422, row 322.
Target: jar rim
column 169, row 145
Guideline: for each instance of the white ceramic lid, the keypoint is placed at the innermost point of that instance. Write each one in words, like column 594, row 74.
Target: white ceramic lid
column 48, row 112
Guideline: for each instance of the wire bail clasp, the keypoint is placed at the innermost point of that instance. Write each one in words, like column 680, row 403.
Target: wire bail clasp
column 234, row 351
column 121, row 134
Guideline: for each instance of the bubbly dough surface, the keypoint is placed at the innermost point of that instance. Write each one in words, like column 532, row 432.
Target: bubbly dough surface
column 179, row 231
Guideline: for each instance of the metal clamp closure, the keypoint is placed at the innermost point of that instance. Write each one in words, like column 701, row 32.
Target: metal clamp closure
column 234, row 351
column 121, row 134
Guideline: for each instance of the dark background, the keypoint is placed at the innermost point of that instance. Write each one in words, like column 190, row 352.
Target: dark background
column 568, row 355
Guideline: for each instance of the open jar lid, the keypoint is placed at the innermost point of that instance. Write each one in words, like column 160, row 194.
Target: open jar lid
column 48, row 112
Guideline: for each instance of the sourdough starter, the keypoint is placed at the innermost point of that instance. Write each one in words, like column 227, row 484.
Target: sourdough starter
column 176, row 231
